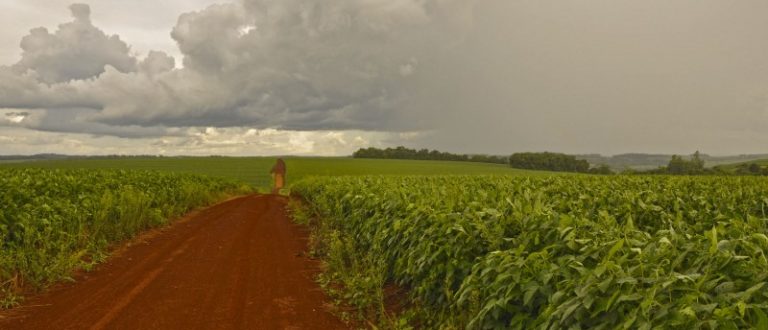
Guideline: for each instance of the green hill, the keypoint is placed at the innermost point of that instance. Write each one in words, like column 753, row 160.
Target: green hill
column 640, row 161
column 747, row 167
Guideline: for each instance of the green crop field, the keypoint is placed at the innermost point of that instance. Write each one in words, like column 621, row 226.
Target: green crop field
column 59, row 215
column 53, row 221
column 255, row 170
column 470, row 245
column 576, row 252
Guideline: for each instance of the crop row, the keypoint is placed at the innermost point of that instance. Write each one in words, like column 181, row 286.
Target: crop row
column 576, row 252
column 53, row 221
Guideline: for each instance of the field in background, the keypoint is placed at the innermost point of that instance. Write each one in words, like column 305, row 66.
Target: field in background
column 255, row 170
column 732, row 167
column 71, row 197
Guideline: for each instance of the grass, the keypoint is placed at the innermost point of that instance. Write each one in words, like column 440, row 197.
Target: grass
column 255, row 170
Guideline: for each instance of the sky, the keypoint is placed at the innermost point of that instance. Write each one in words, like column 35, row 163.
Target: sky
column 279, row 77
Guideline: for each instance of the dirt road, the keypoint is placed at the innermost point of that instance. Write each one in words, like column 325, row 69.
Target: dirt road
column 237, row 265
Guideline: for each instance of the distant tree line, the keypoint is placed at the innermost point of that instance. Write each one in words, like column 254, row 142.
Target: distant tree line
column 548, row 161
column 543, row 161
column 680, row 166
column 551, row 161
column 37, row 156
column 424, row 154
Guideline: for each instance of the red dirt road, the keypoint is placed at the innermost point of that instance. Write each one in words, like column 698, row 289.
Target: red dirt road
column 237, row 265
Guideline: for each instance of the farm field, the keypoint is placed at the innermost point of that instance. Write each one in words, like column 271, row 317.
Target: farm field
column 54, row 221
column 63, row 215
column 469, row 245
column 491, row 252
column 255, row 170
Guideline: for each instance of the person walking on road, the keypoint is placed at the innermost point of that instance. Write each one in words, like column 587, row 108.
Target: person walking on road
column 278, row 175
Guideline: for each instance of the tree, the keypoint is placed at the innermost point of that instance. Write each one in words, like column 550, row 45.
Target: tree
column 696, row 164
column 548, row 161
column 401, row 152
column 601, row 169
column 679, row 166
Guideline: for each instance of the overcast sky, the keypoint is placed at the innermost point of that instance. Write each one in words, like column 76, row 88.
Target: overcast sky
column 266, row 77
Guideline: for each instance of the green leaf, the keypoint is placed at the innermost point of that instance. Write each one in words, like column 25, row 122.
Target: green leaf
column 713, row 240
column 616, row 247
column 762, row 319
column 529, row 295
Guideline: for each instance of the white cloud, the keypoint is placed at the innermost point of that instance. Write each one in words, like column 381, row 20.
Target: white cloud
column 246, row 29
column 157, row 62
column 241, row 141
column 77, row 50
column 14, row 116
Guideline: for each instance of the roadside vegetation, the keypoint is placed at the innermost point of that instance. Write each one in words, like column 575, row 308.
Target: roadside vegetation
column 55, row 221
column 494, row 252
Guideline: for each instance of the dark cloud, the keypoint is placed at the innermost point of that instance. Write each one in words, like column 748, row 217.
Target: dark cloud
column 604, row 76
column 26, row 91
column 17, row 114
column 77, row 120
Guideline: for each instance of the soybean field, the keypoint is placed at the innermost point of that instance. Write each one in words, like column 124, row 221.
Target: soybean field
column 577, row 252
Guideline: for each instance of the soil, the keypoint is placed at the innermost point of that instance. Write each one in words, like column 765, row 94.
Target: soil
column 237, row 265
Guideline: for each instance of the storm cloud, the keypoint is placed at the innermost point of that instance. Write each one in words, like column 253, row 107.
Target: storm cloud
column 292, row 65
